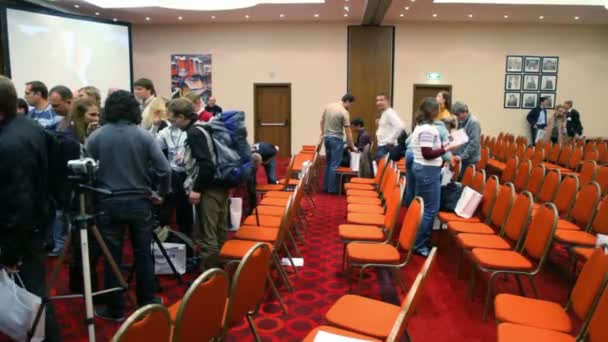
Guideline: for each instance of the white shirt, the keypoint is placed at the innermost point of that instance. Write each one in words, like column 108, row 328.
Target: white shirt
column 173, row 140
column 426, row 136
column 389, row 128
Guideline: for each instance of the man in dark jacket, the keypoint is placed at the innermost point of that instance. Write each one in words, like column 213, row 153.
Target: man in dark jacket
column 24, row 213
column 537, row 118
column 264, row 153
column 574, row 127
column 210, row 198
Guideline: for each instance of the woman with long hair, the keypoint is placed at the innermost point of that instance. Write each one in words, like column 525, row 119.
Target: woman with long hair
column 84, row 115
column 444, row 99
column 154, row 117
column 427, row 150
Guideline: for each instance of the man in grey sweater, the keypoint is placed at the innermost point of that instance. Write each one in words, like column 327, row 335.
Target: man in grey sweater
column 469, row 153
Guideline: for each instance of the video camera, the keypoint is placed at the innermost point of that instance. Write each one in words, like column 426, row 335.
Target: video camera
column 82, row 170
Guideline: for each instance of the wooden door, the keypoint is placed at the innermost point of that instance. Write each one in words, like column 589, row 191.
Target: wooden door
column 422, row 91
column 272, row 103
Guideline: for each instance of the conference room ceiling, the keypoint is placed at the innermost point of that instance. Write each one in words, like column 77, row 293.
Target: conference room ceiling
column 347, row 11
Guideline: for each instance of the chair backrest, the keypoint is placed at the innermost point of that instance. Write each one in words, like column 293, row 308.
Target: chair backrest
column 564, row 155
column 602, row 151
column 509, row 172
column 538, row 156
column 602, row 178
column 411, row 225
column 529, row 153
column 549, row 188
column 149, row 323
column 248, row 284
column 553, row 156
column 546, row 147
column 520, row 151
column 408, row 306
column 201, row 312
column 588, row 172
column 522, row 175
column 388, row 180
column 289, row 170
column 540, row 234
column 590, row 146
column 483, row 161
column 591, row 155
column 600, row 221
column 575, row 158
column 502, row 206
column 479, row 181
column 393, row 204
column 580, row 142
column 289, row 214
column 467, row 177
column 589, row 283
column 382, row 164
column 566, row 194
column 597, row 331
column 456, row 170
column 518, row 219
column 535, row 182
column 488, row 197
column 585, row 205
column 510, row 150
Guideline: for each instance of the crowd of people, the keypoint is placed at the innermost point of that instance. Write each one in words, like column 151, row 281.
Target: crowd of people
column 565, row 123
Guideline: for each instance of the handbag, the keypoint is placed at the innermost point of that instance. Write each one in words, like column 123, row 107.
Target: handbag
column 20, row 310
column 236, row 212
column 177, row 254
column 467, row 203
column 355, row 159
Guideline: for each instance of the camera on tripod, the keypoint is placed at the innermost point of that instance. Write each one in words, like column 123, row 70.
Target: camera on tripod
column 83, row 169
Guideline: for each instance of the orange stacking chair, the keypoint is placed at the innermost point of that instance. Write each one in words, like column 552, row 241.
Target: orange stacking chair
column 479, row 181
column 553, row 154
column 547, row 191
column 148, row 323
column 456, row 170
column 384, row 255
column 588, row 172
column 522, row 175
column 575, row 160
column 538, row 157
column 467, row 177
column 511, row 234
column 520, row 151
column 562, row 161
column 536, row 179
column 542, row 314
column 374, row 196
column 564, row 197
column 545, row 146
column 500, row 210
column 510, row 169
column 248, row 287
column 528, row 154
column 591, row 155
column 276, row 187
column 376, row 209
column 371, row 181
column 602, row 150
column 487, row 203
column 597, row 332
column 381, row 321
column 581, row 214
column 483, row 161
column 528, row 261
column 602, row 178
column 200, row 314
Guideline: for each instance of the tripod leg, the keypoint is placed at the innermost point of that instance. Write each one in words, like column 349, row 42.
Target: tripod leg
column 110, row 260
column 86, row 272
column 164, row 252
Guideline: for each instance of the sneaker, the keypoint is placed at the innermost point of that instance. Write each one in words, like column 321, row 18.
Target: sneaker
column 424, row 251
column 105, row 313
column 55, row 252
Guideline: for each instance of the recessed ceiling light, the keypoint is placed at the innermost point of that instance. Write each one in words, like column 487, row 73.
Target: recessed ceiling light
column 413, row 0
column 434, row 15
column 282, row 15
column 115, row 19
column 316, row 15
column 471, row 15
column 541, row 17
column 346, row 14
column 577, row 18
column 346, row 8
column 246, row 16
column 96, row 13
column 180, row 18
column 401, row 15
column 506, row 16
column 148, row 18
column 407, row 8
column 212, row 17
column 77, row 6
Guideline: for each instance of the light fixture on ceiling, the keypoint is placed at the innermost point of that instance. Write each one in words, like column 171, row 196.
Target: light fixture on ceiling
column 401, row 15
column 180, row 18
column 346, row 14
column 212, row 17
column 435, row 15
column 346, row 8
column 77, row 6
column 577, row 18
column 147, row 18
column 114, row 19
column 246, row 16
column 282, row 15
column 96, row 13
column 541, row 17
column 470, row 15
column 196, row 5
column 316, row 15
column 407, row 8
column 506, row 16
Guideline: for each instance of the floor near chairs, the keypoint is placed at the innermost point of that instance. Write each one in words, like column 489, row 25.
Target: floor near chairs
column 444, row 312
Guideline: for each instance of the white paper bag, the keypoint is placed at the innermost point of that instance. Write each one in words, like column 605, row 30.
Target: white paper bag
column 20, row 308
column 602, row 241
column 540, row 135
column 177, row 254
column 236, row 212
column 355, row 158
column 468, row 203
column 446, row 175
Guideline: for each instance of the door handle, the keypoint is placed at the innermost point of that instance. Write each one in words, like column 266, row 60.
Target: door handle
column 272, row 124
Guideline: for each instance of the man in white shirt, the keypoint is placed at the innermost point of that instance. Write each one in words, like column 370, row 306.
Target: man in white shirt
column 389, row 126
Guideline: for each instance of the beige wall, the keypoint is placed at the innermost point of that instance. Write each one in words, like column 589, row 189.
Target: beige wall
column 471, row 57
column 312, row 57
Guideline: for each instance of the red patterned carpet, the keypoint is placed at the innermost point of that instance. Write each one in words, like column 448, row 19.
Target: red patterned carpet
column 444, row 313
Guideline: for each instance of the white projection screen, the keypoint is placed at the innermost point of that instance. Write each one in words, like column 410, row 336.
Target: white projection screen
column 72, row 52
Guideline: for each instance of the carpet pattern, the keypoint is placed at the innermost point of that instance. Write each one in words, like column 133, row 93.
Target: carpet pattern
column 444, row 312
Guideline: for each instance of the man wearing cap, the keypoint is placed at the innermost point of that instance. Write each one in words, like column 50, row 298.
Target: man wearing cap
column 469, row 153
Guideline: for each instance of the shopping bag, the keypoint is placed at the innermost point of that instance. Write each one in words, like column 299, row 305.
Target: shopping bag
column 355, row 158
column 236, row 212
column 467, row 203
column 177, row 254
column 20, row 308
column 540, row 135
column 446, row 175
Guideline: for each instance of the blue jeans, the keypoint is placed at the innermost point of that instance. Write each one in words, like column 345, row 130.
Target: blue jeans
column 271, row 174
column 382, row 151
column 136, row 214
column 334, row 148
column 428, row 186
column 58, row 230
column 410, row 181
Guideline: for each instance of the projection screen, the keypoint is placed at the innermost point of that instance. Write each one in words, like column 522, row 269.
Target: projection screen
column 67, row 51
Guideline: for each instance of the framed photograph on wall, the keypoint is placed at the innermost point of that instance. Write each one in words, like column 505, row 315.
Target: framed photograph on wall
column 531, row 82
column 513, row 82
column 548, row 83
column 512, row 100
column 532, row 64
column 551, row 97
column 550, row 65
column 529, row 100
column 515, row 63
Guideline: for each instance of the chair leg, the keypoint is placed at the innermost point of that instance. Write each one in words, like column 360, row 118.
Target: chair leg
column 360, row 280
column 520, row 286
column 282, row 273
column 407, row 336
column 295, row 244
column 472, row 283
column 276, row 293
column 253, row 329
column 399, row 277
column 296, row 228
column 295, row 270
column 533, row 286
column 488, row 300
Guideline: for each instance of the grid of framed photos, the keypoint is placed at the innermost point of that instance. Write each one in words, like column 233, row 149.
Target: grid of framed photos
column 529, row 78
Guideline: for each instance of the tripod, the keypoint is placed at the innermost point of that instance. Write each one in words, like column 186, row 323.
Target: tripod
column 84, row 227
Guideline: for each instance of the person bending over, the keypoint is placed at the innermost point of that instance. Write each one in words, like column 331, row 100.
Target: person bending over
column 264, row 153
column 127, row 156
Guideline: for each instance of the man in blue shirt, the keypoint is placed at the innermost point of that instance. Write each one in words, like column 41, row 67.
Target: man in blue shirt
column 537, row 118
column 36, row 95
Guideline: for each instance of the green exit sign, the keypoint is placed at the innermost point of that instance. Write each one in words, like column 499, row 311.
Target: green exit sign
column 433, row 76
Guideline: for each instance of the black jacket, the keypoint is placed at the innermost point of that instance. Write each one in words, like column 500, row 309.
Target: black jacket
column 573, row 123
column 197, row 142
column 24, row 181
column 534, row 114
